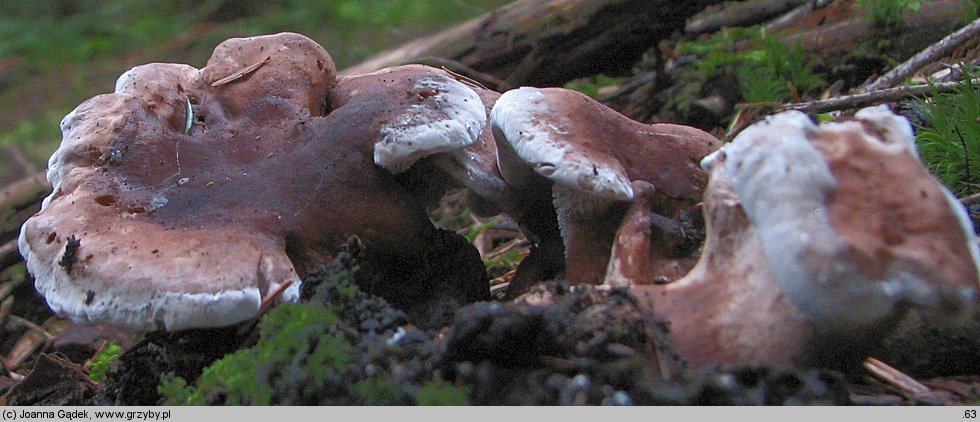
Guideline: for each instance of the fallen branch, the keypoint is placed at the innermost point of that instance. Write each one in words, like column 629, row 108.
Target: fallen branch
column 865, row 99
column 970, row 200
column 9, row 255
column 549, row 42
column 19, row 201
column 745, row 13
column 926, row 56
column 19, row 158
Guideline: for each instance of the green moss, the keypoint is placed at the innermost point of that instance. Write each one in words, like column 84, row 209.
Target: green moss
column 376, row 391
column 888, row 13
column 949, row 141
column 334, row 348
column 592, row 86
column 767, row 72
column 504, row 262
column 292, row 336
column 441, row 393
column 100, row 366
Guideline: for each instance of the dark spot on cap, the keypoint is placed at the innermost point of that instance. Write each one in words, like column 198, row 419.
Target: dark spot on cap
column 106, row 200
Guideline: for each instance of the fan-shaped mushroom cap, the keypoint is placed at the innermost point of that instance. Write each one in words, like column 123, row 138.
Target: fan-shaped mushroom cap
column 820, row 238
column 186, row 197
column 591, row 155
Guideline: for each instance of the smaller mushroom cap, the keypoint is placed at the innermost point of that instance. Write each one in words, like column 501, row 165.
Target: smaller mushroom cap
column 591, row 155
column 454, row 119
column 562, row 147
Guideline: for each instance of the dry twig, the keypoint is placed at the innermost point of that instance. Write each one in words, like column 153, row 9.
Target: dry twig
column 271, row 298
column 865, row 99
column 9, row 255
column 924, row 57
column 241, row 73
column 895, row 378
column 970, row 200
column 19, row 158
column 509, row 246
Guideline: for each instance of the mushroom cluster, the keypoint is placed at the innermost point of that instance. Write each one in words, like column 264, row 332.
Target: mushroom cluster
column 189, row 197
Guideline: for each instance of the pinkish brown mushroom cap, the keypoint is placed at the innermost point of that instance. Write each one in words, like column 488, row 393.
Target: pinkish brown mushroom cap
column 819, row 240
column 591, row 155
column 188, row 196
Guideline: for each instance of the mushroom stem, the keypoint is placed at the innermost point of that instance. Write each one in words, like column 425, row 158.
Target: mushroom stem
column 629, row 259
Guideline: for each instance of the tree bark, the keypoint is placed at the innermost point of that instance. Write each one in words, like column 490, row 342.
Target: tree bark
column 549, row 42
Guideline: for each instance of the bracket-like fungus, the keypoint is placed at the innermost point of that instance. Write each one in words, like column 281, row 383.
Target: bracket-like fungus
column 561, row 143
column 188, row 196
column 820, row 239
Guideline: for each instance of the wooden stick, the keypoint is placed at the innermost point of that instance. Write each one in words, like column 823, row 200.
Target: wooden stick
column 930, row 54
column 241, row 73
column 18, row 201
column 895, row 378
column 9, row 255
column 20, row 159
column 271, row 298
column 848, row 102
column 970, row 200
column 518, row 241
column 738, row 14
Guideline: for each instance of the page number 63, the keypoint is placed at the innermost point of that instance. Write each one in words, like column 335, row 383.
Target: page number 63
column 970, row 414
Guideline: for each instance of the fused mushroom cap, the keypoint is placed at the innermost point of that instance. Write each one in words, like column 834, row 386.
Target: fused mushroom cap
column 818, row 240
column 175, row 202
column 728, row 308
column 852, row 225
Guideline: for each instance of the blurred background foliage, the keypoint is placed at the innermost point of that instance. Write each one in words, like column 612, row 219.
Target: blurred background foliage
column 56, row 54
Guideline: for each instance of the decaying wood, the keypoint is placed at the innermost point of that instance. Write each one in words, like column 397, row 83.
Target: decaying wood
column 54, row 381
column 19, row 201
column 840, row 29
column 549, row 42
column 738, row 13
column 794, row 15
column 932, row 53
